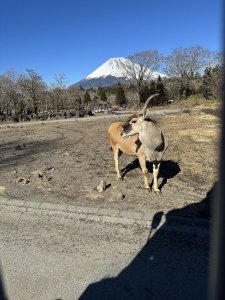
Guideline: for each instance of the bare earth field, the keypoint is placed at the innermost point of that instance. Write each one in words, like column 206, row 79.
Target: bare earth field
column 64, row 161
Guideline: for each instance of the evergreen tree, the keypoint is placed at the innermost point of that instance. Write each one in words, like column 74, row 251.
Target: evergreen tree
column 87, row 98
column 120, row 96
column 87, row 102
column 159, row 88
column 100, row 89
column 152, row 89
column 145, row 93
column 103, row 96
column 212, row 82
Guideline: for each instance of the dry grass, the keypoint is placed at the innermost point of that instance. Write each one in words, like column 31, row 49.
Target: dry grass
column 197, row 101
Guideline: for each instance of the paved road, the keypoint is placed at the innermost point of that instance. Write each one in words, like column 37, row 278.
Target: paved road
column 59, row 257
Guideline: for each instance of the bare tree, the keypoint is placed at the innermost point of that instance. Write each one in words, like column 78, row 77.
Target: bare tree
column 11, row 97
column 60, row 81
column 184, row 64
column 58, row 93
column 34, row 89
column 74, row 98
column 7, row 91
column 140, row 68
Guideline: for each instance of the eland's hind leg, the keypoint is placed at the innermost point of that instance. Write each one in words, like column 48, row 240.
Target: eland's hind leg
column 142, row 161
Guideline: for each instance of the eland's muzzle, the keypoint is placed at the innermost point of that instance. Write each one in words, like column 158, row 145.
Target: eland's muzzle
column 124, row 135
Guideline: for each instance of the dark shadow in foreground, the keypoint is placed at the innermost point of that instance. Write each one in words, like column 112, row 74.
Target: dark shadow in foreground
column 171, row 265
column 2, row 289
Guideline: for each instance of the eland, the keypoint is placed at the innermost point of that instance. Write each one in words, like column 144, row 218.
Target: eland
column 139, row 136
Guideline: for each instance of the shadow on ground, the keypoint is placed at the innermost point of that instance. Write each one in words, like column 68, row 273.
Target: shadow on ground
column 13, row 153
column 168, row 169
column 169, row 266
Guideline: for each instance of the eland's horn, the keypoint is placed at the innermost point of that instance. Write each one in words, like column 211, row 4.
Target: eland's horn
column 147, row 102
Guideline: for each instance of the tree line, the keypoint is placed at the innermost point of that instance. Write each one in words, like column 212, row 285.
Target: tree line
column 190, row 71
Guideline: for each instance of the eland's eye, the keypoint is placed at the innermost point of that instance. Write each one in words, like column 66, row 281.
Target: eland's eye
column 134, row 121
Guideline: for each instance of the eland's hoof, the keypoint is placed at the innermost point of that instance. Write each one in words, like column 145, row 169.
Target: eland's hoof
column 157, row 192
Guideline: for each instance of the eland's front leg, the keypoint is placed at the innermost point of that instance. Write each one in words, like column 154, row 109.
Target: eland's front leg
column 156, row 166
column 116, row 152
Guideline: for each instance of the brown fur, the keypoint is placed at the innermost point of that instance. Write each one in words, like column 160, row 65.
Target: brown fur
column 128, row 146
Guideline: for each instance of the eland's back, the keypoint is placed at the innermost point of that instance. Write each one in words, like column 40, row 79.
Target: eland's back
column 152, row 137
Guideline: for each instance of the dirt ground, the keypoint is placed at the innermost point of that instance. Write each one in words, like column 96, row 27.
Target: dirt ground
column 64, row 161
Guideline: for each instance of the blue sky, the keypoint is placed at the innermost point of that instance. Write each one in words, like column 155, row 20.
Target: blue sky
column 76, row 37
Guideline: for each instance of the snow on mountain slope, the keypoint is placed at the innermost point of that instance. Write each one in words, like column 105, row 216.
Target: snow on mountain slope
column 114, row 67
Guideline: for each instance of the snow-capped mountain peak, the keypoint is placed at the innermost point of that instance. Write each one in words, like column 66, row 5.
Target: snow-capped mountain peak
column 112, row 67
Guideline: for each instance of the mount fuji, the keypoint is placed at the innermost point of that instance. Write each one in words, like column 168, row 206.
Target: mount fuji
column 112, row 72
